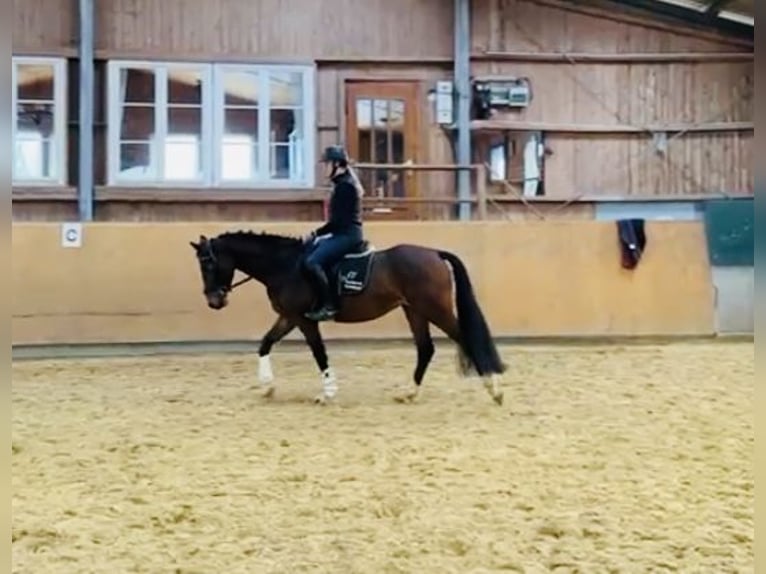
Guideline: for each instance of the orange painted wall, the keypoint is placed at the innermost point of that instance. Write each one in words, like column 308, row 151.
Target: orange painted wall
column 139, row 282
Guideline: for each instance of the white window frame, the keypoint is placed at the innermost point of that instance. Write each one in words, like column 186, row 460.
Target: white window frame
column 60, row 114
column 213, row 125
column 114, row 106
column 308, row 109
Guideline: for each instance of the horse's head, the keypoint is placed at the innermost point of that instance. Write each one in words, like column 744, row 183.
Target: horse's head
column 217, row 269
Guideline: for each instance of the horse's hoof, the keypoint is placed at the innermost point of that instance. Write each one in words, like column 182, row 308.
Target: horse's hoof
column 408, row 396
column 322, row 400
column 498, row 398
column 268, row 392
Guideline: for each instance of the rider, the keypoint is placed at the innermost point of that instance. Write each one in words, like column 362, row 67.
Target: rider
column 341, row 234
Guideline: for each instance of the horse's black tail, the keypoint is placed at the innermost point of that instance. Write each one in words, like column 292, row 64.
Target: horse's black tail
column 475, row 338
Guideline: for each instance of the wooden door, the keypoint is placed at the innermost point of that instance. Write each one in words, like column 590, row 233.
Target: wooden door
column 382, row 127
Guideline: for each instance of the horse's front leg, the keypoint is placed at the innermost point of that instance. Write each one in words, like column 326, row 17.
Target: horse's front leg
column 310, row 330
column 281, row 327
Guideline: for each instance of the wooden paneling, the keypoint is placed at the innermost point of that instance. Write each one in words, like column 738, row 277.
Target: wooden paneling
column 641, row 95
column 628, row 165
column 538, row 211
column 242, row 211
column 634, row 94
column 338, row 33
column 44, row 27
column 622, row 93
column 232, row 211
column 556, row 26
column 52, row 210
column 275, row 29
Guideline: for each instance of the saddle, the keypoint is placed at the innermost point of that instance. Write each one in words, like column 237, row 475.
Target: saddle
column 351, row 274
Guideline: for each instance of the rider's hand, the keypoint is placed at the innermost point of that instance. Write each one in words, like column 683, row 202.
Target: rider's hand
column 309, row 238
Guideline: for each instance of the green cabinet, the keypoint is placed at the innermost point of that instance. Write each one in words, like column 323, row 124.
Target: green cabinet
column 730, row 231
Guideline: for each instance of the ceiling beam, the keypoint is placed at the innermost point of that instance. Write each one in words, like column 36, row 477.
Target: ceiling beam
column 716, row 6
column 685, row 15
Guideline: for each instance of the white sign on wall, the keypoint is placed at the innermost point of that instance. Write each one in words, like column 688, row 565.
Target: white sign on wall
column 71, row 235
column 444, row 102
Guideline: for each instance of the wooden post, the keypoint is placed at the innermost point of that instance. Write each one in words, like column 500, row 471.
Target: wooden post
column 481, row 191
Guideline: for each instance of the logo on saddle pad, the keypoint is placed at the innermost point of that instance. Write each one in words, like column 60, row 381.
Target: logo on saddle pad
column 352, row 273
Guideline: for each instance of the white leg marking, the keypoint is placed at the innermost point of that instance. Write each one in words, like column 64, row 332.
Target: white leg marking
column 265, row 374
column 329, row 386
column 492, row 386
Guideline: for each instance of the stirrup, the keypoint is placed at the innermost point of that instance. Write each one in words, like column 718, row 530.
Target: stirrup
column 323, row 314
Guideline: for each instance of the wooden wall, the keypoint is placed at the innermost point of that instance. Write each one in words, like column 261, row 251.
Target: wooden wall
column 337, row 35
column 241, row 29
column 623, row 92
column 46, row 27
column 295, row 29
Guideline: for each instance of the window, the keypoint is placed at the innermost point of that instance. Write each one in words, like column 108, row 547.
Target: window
column 497, row 161
column 156, row 123
column 515, row 160
column 39, row 121
column 210, row 125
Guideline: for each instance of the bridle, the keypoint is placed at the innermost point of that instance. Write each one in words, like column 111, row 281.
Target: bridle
column 209, row 255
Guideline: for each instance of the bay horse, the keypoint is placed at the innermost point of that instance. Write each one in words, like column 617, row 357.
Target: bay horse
column 368, row 284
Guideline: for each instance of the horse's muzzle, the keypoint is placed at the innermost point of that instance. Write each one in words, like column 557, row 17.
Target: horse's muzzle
column 217, row 300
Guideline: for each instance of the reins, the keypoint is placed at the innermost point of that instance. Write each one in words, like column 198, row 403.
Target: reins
column 238, row 283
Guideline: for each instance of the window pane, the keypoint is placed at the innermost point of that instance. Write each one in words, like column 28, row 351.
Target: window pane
column 497, row 161
column 35, row 118
column 240, row 121
column 380, row 125
column 285, row 125
column 182, row 157
column 136, row 161
column 35, row 82
column 137, row 86
column 395, row 118
column 240, row 88
column 185, row 121
column 388, row 113
column 287, row 149
column 184, row 86
column 239, row 158
column 137, row 123
column 286, row 161
column 34, row 156
column 363, row 113
column 285, row 89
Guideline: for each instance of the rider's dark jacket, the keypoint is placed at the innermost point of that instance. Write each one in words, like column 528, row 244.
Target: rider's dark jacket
column 345, row 213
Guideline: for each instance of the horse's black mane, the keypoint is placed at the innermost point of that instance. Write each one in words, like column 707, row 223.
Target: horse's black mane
column 270, row 241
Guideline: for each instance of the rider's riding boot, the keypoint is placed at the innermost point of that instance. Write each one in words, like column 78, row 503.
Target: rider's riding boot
column 325, row 309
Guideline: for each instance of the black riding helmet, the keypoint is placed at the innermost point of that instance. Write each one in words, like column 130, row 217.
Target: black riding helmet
column 335, row 154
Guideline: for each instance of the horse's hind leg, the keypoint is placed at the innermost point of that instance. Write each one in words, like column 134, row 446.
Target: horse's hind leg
column 425, row 349
column 446, row 320
column 310, row 330
column 278, row 331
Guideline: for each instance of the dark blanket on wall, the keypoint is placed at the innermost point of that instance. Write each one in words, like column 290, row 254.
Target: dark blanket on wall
column 632, row 241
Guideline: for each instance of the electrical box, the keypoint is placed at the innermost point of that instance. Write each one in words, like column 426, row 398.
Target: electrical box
column 510, row 93
column 445, row 103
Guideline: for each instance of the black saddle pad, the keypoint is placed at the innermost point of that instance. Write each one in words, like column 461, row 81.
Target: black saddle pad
column 352, row 273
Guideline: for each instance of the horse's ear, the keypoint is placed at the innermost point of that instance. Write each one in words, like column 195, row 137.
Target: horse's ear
column 202, row 239
column 195, row 245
